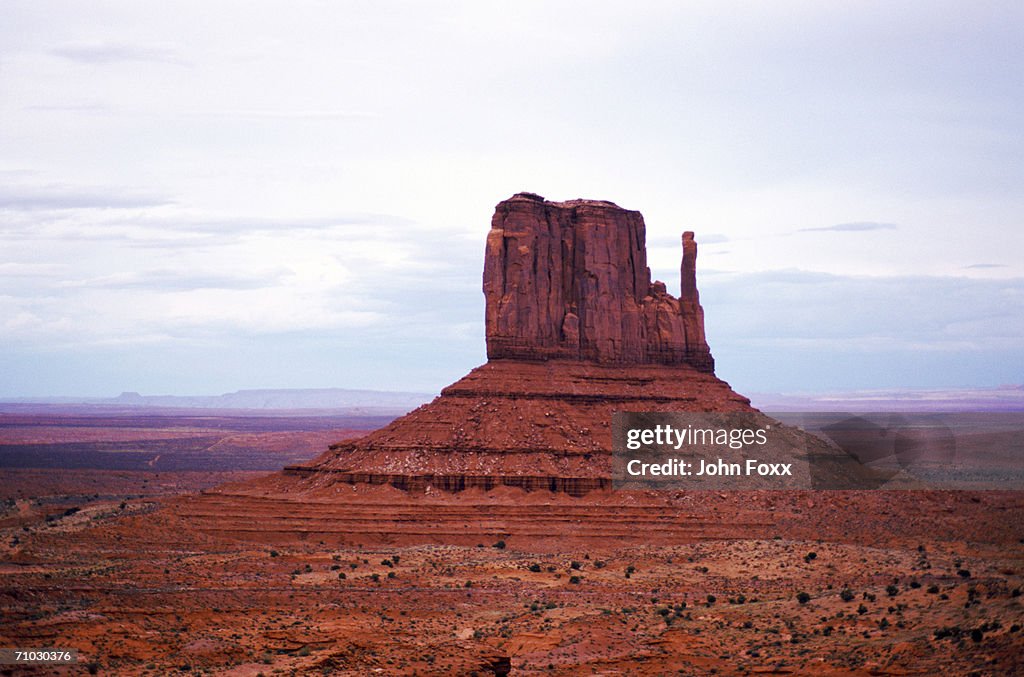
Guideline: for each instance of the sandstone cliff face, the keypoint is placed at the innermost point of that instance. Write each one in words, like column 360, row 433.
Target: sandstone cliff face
column 570, row 280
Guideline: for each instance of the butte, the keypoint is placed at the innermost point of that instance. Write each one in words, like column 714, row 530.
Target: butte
column 522, row 445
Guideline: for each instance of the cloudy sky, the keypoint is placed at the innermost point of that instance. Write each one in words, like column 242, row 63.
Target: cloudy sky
column 197, row 197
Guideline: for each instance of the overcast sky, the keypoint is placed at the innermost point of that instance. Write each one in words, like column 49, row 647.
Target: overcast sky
column 197, row 197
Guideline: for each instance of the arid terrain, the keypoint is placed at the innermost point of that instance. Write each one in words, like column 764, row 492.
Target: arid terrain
column 144, row 576
column 481, row 533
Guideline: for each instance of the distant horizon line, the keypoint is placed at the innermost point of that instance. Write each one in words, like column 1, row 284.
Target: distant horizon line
column 790, row 393
column 129, row 396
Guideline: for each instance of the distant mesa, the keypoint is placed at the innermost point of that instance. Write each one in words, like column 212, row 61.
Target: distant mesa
column 321, row 400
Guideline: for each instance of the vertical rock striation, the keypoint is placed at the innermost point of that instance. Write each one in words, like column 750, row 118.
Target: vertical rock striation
column 569, row 280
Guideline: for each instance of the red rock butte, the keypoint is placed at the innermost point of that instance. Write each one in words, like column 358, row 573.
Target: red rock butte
column 569, row 280
column 521, row 447
column 576, row 330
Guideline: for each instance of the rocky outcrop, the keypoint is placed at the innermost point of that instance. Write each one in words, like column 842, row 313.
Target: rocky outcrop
column 576, row 331
column 569, row 280
column 573, row 486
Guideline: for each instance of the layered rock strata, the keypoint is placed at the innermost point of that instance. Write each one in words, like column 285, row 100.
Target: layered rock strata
column 569, row 280
column 526, row 424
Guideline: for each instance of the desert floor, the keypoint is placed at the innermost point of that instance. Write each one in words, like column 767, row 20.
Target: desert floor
column 148, row 572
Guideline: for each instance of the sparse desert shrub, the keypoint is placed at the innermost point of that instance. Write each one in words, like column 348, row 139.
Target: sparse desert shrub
column 535, row 568
column 575, row 580
column 711, row 599
column 810, row 556
column 846, row 595
column 803, row 597
column 274, row 553
column 575, row 565
column 862, row 609
column 500, row 545
column 892, row 590
column 600, row 564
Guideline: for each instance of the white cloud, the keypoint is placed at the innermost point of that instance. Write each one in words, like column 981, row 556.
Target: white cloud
column 853, row 227
column 109, row 53
column 61, row 197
